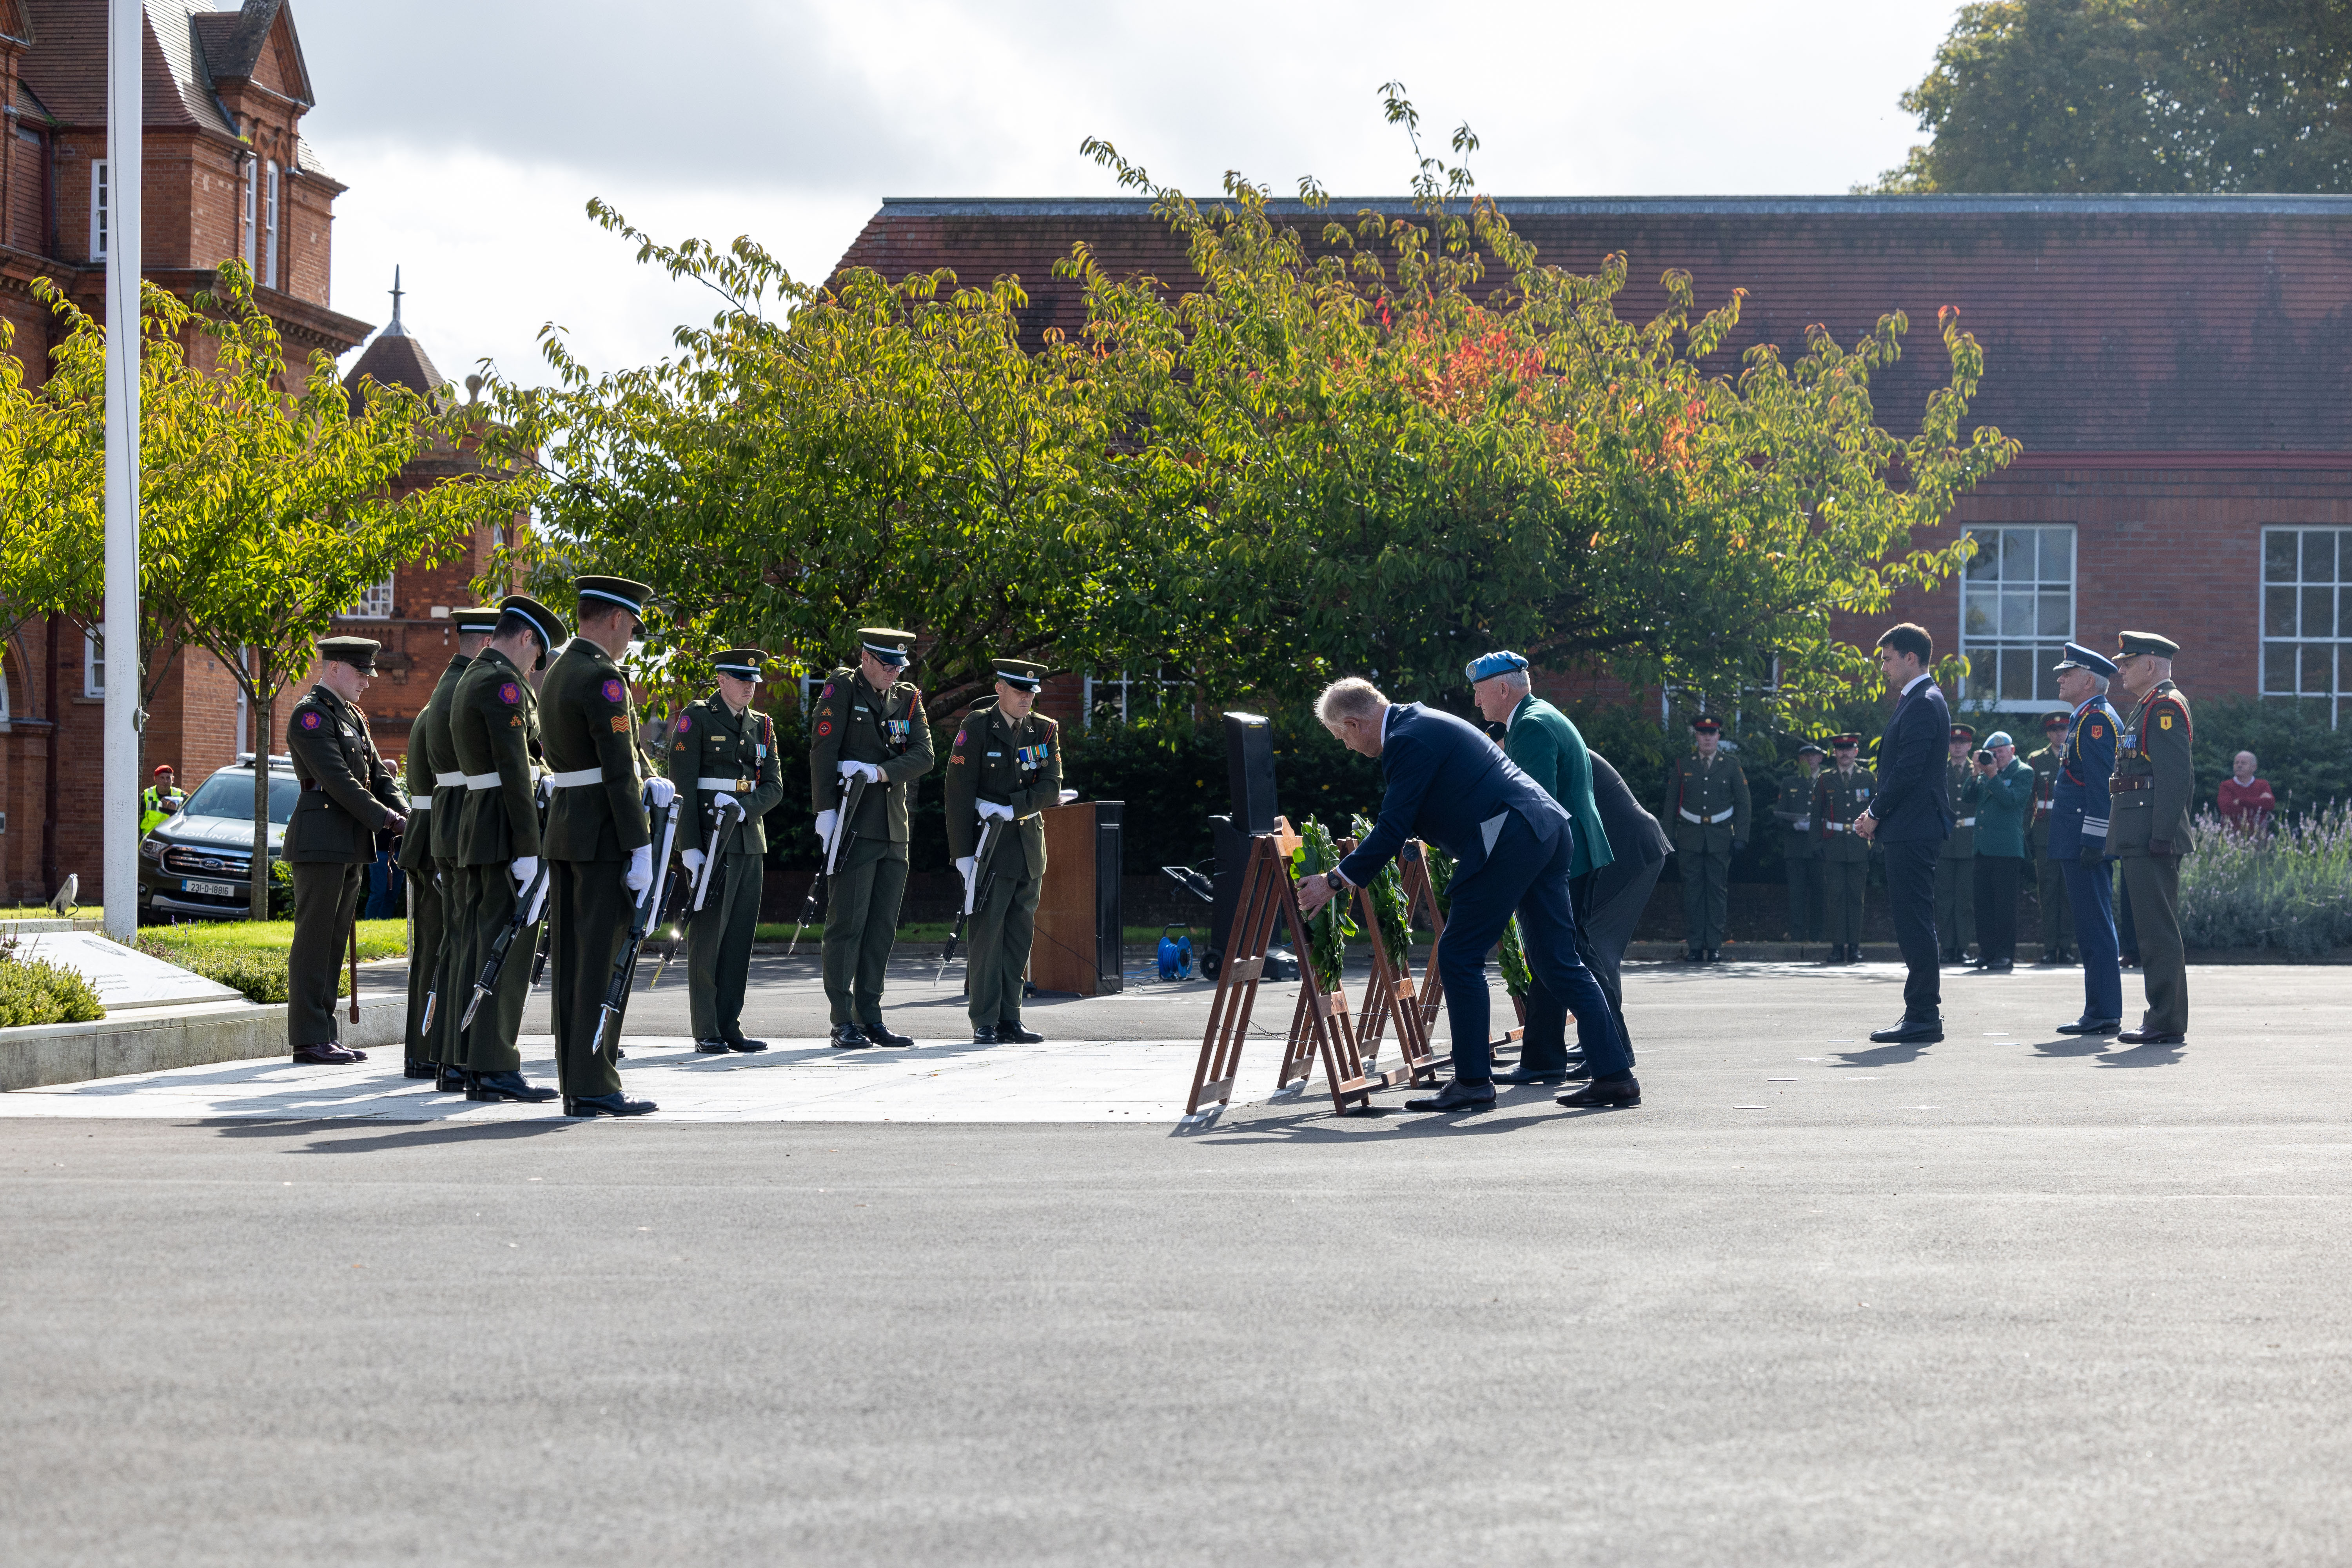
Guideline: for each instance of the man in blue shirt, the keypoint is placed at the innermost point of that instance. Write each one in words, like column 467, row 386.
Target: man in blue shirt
column 2078, row 834
column 1512, row 846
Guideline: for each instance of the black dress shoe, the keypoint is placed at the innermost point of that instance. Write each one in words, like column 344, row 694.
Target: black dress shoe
column 607, row 1105
column 983, row 1033
column 2150, row 1037
column 1013, row 1034
column 414, row 1068
column 1929, row 1030
column 1533, row 1075
column 738, row 1043
column 329, row 1054
column 452, row 1080
column 881, row 1035
column 1693, row 956
column 2092, row 1026
column 1621, row 1090
column 500, row 1086
column 710, row 1048
column 1456, row 1096
column 2004, row 967
column 849, row 1037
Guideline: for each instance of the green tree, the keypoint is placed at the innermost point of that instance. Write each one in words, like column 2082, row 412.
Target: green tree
column 2136, row 96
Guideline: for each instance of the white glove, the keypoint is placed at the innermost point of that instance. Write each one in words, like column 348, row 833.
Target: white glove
column 693, row 859
column 967, row 867
column 722, row 800
column 867, row 771
column 640, row 874
column 1069, row 796
column 659, row 793
column 825, row 824
column 523, row 868
column 989, row 808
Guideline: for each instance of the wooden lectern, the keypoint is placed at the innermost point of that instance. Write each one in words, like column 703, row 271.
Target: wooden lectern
column 1079, row 928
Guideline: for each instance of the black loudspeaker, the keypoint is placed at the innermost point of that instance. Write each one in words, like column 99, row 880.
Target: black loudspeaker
column 1233, row 859
column 1111, row 930
column 1249, row 770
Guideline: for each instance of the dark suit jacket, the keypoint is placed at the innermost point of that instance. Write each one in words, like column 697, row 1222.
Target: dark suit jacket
column 1452, row 787
column 1911, row 756
column 1633, row 833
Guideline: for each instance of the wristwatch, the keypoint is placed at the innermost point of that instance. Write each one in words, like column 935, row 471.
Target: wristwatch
column 1333, row 883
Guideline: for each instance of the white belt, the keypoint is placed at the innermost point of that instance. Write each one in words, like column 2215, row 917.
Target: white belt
column 1690, row 815
column 448, row 781
column 577, row 778
column 1966, row 822
column 1836, row 828
column 420, row 803
column 478, row 780
column 727, row 787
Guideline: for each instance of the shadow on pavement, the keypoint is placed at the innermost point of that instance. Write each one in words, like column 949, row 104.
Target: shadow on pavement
column 2143, row 1057
column 1902, row 1053
column 412, row 1137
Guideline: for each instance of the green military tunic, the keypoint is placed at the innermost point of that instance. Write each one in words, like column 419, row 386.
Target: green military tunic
column 1956, row 871
column 494, row 734
column 348, row 795
column 1839, row 796
column 2057, row 910
column 2150, row 798
column 855, row 723
column 597, row 819
column 426, row 914
column 1706, row 811
column 1015, row 763
column 713, row 751
column 1800, row 855
column 432, row 755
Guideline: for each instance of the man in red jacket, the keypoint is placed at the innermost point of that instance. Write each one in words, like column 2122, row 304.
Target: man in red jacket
column 2246, row 801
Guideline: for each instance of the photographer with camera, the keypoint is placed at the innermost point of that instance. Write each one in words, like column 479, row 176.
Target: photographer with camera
column 2000, row 792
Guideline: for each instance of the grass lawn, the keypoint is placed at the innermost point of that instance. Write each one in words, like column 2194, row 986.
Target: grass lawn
column 378, row 939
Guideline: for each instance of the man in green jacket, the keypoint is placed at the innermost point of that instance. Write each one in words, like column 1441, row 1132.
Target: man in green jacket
column 2000, row 794
column 2153, row 791
column 722, row 753
column 1542, row 743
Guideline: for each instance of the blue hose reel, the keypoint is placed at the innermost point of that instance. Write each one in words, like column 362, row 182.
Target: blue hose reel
column 1175, row 954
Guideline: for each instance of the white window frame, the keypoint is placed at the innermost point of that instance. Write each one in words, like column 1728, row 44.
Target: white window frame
column 375, row 602
column 2318, row 609
column 93, row 660
column 101, row 201
column 1995, row 643
column 269, row 224
column 1126, row 683
column 244, row 212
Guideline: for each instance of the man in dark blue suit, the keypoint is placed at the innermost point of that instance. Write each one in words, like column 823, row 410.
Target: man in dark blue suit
column 1910, row 820
column 1512, row 846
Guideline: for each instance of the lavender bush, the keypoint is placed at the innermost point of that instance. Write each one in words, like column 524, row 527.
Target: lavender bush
column 2289, row 890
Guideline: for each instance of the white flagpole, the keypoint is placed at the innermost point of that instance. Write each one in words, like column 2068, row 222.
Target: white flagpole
column 126, row 114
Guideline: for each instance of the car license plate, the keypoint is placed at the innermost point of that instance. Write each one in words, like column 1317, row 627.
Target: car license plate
column 213, row 889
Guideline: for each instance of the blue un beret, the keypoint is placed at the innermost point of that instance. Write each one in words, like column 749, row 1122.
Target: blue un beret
column 1487, row 664
column 2081, row 658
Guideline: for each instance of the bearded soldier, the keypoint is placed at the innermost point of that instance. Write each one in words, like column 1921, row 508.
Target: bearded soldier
column 1005, row 768
column 723, row 753
column 869, row 731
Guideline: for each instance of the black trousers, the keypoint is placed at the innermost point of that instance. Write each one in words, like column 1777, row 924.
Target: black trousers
column 1911, row 899
column 1997, row 882
column 1601, row 935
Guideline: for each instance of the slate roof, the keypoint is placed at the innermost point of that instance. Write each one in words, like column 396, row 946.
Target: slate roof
column 230, row 44
column 396, row 359
column 188, row 44
column 2109, row 324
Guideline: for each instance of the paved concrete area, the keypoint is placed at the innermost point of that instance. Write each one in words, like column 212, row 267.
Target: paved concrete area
column 2008, row 1298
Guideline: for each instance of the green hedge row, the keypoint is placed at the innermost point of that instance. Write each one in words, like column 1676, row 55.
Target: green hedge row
column 35, row 991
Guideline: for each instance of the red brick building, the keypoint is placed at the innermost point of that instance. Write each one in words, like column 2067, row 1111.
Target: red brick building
column 227, row 175
column 2179, row 369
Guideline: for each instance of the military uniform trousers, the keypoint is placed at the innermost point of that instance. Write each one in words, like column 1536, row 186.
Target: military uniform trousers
column 2090, row 889
column 1842, row 882
column 1001, row 933
column 861, row 922
column 488, row 1042
column 719, row 948
column 443, row 964
column 1706, row 897
column 2153, row 884
column 427, row 919
column 2057, row 907
column 1805, row 882
column 326, row 897
column 591, row 909
column 1956, row 905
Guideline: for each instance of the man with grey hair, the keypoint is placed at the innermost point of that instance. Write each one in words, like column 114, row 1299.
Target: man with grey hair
column 1512, row 846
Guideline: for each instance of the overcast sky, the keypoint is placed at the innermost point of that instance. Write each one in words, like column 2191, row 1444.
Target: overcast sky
column 472, row 134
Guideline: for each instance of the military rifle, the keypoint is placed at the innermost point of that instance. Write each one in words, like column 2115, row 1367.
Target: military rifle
column 849, row 804
column 649, row 910
column 730, row 817
column 528, row 908
column 976, row 891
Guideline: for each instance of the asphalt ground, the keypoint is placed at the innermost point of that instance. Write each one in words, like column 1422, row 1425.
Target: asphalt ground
column 2011, row 1298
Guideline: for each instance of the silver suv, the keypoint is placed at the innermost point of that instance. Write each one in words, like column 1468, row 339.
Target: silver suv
column 198, row 863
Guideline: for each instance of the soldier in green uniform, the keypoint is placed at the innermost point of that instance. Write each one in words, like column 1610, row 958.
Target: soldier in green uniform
column 870, row 726
column 2049, row 877
column 494, row 732
column 1840, row 794
column 426, row 914
column 433, row 755
column 1801, row 847
column 722, row 753
column 1707, row 809
column 348, row 797
column 2153, row 790
column 599, row 840
column 1005, row 768
column 1956, row 879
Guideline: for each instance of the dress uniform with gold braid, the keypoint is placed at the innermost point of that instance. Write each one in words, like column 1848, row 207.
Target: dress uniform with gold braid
column 599, row 842
column 877, row 732
column 1006, row 770
column 1706, row 811
column 719, row 754
column 494, row 731
column 430, row 740
column 2151, row 794
column 1839, row 794
column 1801, row 849
column 1956, row 880
column 2048, row 879
column 348, row 796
